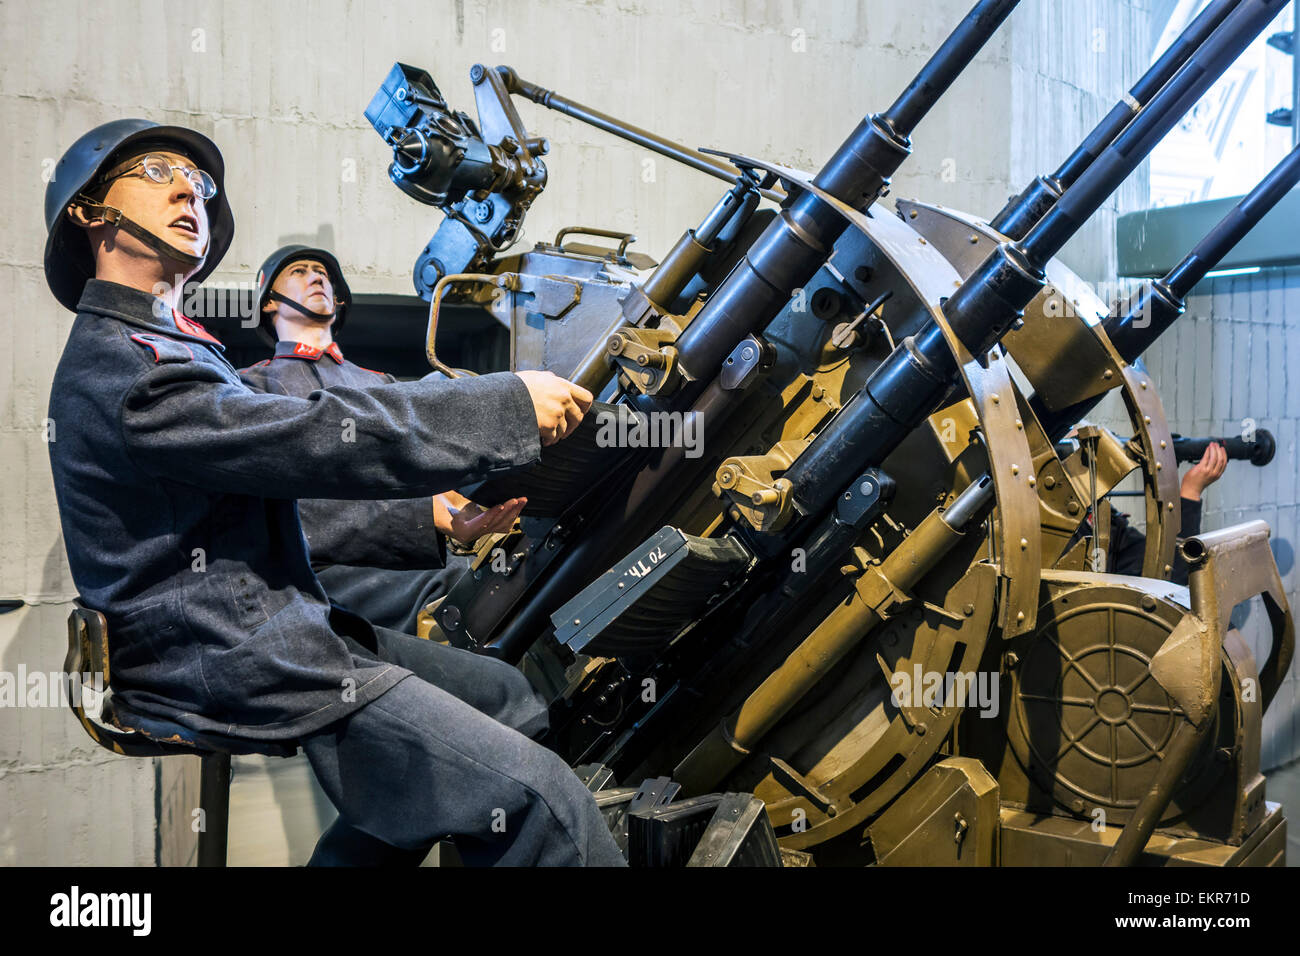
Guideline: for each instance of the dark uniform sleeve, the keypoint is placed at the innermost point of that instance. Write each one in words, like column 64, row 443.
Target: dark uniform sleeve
column 397, row 534
column 187, row 422
column 1127, row 546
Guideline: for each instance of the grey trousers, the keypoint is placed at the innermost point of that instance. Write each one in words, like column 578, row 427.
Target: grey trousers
column 446, row 753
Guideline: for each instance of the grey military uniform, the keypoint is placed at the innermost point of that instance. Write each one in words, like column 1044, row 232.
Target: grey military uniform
column 381, row 559
column 177, row 485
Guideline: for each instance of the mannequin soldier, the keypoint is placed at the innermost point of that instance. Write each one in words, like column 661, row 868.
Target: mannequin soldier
column 385, row 560
column 1127, row 545
column 176, row 486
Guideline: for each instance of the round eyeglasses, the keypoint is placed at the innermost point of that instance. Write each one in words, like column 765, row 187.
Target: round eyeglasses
column 158, row 169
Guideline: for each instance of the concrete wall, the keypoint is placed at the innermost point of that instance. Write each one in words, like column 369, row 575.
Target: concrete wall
column 281, row 88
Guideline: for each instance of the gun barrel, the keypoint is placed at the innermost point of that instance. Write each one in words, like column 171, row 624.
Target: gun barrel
column 911, row 381
column 1160, row 303
column 798, row 242
column 947, row 63
column 1022, row 212
column 1220, row 240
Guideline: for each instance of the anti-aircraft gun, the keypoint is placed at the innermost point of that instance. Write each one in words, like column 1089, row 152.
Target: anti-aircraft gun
column 855, row 629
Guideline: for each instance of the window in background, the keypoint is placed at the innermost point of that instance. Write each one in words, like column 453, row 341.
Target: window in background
column 1225, row 145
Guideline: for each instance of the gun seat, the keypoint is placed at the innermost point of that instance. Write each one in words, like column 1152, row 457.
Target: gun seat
column 131, row 733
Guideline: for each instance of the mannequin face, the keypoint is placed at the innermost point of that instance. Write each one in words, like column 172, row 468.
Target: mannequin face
column 307, row 282
column 171, row 211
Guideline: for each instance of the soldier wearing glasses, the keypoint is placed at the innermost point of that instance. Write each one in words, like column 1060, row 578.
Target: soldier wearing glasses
column 176, row 486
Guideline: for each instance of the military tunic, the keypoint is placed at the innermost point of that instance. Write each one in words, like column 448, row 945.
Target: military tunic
column 177, row 485
column 381, row 559
column 177, row 488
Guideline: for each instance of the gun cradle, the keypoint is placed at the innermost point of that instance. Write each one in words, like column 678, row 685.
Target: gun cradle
column 863, row 604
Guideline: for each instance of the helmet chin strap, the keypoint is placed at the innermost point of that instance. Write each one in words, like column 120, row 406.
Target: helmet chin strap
column 115, row 217
column 316, row 316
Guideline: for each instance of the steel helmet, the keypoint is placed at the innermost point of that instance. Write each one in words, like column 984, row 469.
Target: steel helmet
column 273, row 266
column 68, row 259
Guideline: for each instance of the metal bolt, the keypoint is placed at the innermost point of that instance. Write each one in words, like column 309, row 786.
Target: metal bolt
column 1077, row 805
column 576, row 622
column 921, row 729
column 1073, row 507
column 1024, row 544
column 1108, row 375
column 1015, row 469
column 747, row 353
column 1049, row 482
column 912, row 214
column 968, row 609
column 867, row 488
column 1148, row 602
column 1020, row 616
column 995, row 398
column 974, row 239
column 1032, row 481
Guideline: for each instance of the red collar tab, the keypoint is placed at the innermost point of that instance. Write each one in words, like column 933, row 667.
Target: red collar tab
column 191, row 327
column 291, row 349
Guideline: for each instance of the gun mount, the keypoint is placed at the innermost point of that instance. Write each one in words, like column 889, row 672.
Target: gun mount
column 856, row 600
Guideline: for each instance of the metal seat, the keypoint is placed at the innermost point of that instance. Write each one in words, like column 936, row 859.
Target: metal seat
column 131, row 733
